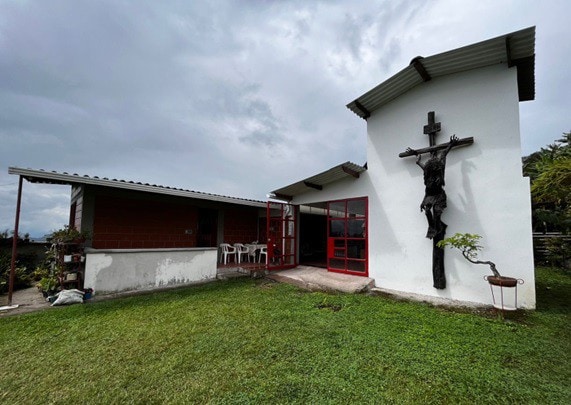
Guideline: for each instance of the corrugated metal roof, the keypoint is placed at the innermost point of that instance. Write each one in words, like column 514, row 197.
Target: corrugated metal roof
column 514, row 49
column 53, row 177
column 320, row 180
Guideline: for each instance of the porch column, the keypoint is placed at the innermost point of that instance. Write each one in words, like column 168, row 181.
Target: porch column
column 15, row 244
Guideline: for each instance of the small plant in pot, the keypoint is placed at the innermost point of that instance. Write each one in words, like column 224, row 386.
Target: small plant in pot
column 48, row 285
column 468, row 244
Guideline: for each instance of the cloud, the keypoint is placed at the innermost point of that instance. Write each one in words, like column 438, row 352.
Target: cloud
column 229, row 97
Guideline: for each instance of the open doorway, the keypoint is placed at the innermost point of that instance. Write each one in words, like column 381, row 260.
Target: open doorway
column 207, row 228
column 313, row 240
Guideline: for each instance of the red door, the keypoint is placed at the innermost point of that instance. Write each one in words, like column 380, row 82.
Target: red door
column 347, row 236
column 282, row 235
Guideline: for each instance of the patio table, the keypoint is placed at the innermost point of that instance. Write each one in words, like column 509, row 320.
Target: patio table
column 255, row 247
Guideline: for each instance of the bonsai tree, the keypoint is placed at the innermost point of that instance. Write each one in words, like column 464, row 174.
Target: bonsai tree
column 468, row 245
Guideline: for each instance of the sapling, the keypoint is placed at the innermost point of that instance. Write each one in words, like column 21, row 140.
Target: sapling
column 468, row 245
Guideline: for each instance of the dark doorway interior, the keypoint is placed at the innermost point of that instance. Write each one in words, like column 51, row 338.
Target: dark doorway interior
column 207, row 228
column 313, row 240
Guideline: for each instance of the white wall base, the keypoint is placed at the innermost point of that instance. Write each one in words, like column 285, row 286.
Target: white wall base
column 117, row 270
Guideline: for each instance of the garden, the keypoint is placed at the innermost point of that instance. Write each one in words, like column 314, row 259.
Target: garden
column 257, row 341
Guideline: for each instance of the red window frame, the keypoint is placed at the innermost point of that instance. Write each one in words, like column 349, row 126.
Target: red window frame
column 347, row 238
column 281, row 234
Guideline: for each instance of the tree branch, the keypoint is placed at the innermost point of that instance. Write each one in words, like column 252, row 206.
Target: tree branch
column 489, row 263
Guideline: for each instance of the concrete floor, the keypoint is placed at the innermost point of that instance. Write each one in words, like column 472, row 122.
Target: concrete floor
column 27, row 300
column 317, row 279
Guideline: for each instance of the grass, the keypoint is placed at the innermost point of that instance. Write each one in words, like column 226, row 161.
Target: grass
column 249, row 341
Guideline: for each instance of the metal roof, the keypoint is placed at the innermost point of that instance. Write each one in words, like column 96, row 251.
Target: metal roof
column 317, row 182
column 514, row 49
column 53, row 177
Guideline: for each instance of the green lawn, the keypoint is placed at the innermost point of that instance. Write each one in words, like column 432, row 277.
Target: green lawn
column 252, row 341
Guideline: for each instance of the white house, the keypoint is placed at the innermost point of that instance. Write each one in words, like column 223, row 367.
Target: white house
column 366, row 220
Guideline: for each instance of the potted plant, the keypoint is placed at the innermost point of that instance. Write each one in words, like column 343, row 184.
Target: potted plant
column 68, row 235
column 48, row 285
column 468, row 244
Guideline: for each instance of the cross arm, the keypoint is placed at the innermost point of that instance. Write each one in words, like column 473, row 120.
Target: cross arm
column 414, row 152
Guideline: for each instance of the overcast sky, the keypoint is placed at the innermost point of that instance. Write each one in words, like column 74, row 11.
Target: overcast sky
column 229, row 97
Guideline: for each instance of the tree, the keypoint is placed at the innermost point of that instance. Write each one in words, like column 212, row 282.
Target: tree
column 550, row 173
column 549, row 170
column 468, row 245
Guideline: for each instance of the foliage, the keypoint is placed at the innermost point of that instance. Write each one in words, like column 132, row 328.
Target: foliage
column 22, row 276
column 248, row 341
column 25, row 262
column 553, row 183
column 67, row 235
column 550, row 173
column 6, row 238
column 27, row 270
column 468, row 245
column 48, row 271
column 47, row 276
column 48, row 284
column 558, row 252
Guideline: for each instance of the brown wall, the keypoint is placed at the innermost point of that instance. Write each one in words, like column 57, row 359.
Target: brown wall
column 133, row 220
column 126, row 223
column 240, row 225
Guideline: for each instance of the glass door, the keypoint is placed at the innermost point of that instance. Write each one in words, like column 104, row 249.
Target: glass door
column 282, row 236
column 347, row 236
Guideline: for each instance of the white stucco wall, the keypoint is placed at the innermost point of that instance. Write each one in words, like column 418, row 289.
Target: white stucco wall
column 116, row 270
column 486, row 192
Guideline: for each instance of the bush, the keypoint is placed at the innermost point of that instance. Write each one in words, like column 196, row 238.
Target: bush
column 22, row 276
column 558, row 252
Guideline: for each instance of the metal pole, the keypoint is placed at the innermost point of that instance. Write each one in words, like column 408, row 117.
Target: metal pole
column 15, row 244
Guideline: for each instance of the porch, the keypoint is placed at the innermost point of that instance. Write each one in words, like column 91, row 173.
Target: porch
column 306, row 277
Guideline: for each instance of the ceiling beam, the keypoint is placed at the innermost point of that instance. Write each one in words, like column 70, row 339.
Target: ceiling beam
column 361, row 107
column 509, row 52
column 417, row 64
column 283, row 197
column 350, row 172
column 313, row 185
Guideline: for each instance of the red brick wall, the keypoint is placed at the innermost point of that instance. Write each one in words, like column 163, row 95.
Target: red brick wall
column 125, row 223
column 240, row 225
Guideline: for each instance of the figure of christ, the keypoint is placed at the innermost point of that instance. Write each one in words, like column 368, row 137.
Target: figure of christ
column 434, row 201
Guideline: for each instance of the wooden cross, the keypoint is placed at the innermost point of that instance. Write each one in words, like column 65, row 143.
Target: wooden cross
column 434, row 201
column 431, row 129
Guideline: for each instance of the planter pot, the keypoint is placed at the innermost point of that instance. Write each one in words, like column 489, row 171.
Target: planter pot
column 504, row 292
column 502, row 281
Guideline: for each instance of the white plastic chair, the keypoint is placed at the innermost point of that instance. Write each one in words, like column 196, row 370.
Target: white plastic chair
column 241, row 249
column 263, row 252
column 251, row 252
column 227, row 250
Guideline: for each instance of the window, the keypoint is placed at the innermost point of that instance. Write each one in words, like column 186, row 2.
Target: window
column 347, row 236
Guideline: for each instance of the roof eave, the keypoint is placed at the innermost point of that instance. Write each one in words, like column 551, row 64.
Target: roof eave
column 319, row 181
column 514, row 49
column 41, row 176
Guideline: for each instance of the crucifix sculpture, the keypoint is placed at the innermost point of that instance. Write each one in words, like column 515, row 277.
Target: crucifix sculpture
column 434, row 201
